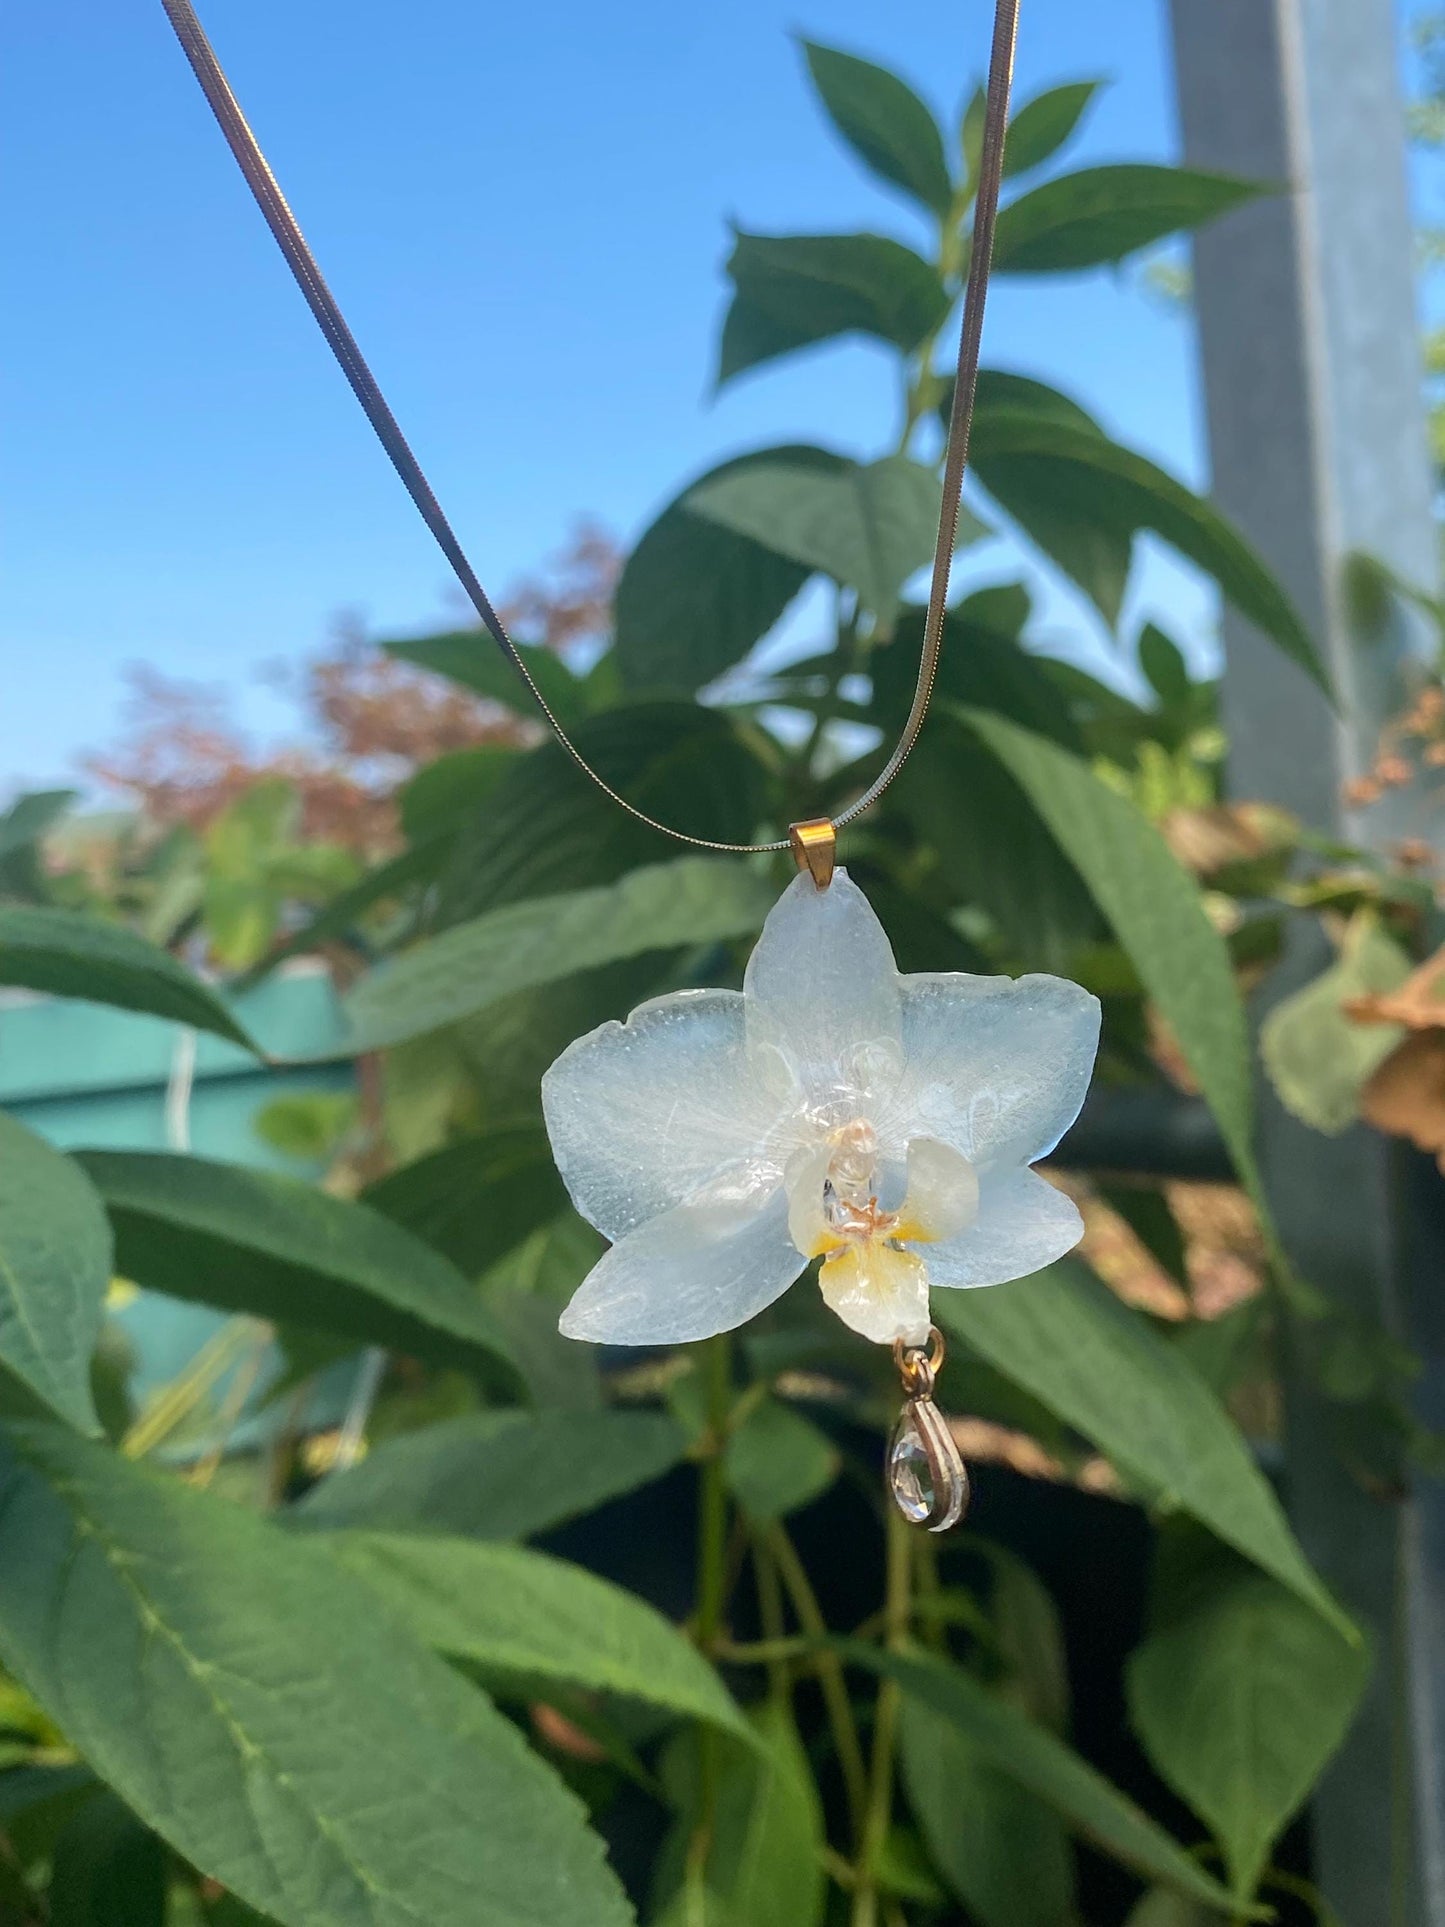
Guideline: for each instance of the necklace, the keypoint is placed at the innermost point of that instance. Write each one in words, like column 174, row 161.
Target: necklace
column 832, row 1109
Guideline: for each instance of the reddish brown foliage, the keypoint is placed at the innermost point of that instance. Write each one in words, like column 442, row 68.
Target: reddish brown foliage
column 368, row 721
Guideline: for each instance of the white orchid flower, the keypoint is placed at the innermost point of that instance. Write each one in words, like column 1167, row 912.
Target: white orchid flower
column 831, row 1109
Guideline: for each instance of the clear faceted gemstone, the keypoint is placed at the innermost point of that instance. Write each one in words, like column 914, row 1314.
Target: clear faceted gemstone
column 926, row 1476
column 910, row 1474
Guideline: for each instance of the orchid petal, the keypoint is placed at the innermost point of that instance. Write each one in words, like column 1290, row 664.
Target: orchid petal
column 879, row 1291
column 942, row 1195
column 806, row 1176
column 1023, row 1224
column 997, row 1066
column 642, row 1115
column 697, row 1270
column 823, row 997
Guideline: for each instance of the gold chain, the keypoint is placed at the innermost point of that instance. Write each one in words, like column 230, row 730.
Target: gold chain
column 322, row 303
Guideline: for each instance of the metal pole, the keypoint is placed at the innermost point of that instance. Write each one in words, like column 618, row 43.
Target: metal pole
column 1311, row 363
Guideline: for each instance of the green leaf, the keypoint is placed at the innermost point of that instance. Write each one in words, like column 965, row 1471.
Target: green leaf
column 1092, row 549
column 983, row 664
column 1045, row 1767
column 870, row 526
column 1101, row 214
column 340, row 916
column 793, row 290
column 29, row 817
column 308, row 1125
column 891, row 130
column 497, row 1475
column 267, row 1717
column 1163, row 664
column 1318, row 1060
column 109, row 1870
column 54, row 1272
column 1065, row 1338
column 1001, row 1848
column 449, row 789
column 1156, row 912
column 514, row 1611
column 252, row 1241
column 521, row 945
column 477, row 1199
column 777, row 1461
column 764, row 1860
column 1160, row 1908
column 1017, row 873
column 470, row 658
column 66, row 954
column 1070, row 472
column 1240, row 1695
column 694, row 596
column 541, row 830
column 1041, row 126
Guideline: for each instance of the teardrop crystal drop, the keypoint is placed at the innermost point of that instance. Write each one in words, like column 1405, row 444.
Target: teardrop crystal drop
column 926, row 1476
column 910, row 1477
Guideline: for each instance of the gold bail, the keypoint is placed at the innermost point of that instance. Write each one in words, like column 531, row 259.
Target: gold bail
column 815, row 848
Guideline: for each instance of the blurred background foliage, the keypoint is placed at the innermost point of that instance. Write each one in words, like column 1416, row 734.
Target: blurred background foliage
column 671, row 1613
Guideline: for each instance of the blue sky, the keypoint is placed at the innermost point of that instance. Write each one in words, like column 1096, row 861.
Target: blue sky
column 523, row 212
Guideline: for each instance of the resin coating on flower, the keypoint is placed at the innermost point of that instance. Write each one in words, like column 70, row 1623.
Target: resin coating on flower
column 831, row 1109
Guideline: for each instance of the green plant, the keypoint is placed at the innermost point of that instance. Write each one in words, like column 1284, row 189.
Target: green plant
column 364, row 1698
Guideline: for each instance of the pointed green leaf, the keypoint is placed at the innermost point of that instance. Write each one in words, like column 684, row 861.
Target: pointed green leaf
column 1240, row 1695
column 1091, row 549
column 265, row 1714
column 477, row 1199
column 1317, row 1059
column 540, row 830
column 1065, row 1338
column 1017, row 873
column 511, row 1610
column 1102, row 492
column 1002, row 1849
column 67, row 954
column 1041, row 126
column 1162, row 661
column 252, row 1241
column 1101, row 214
column 55, row 1267
column 792, row 290
column 497, row 1475
column 542, row 939
column 1047, row 1768
column 1160, row 1908
column 449, row 789
column 777, row 1461
column 764, row 1860
column 870, row 526
column 694, row 596
column 29, row 817
column 891, row 130
column 1156, row 911
column 470, row 658
column 341, row 915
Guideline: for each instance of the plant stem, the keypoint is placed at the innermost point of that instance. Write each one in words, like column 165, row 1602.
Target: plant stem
column 712, row 1567
column 831, row 1682
column 770, row 1613
column 712, row 1522
column 897, row 1610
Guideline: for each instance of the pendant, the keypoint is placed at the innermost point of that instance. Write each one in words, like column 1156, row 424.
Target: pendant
column 925, row 1475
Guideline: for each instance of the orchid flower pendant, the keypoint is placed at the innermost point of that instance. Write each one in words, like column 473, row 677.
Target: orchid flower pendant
column 831, row 1109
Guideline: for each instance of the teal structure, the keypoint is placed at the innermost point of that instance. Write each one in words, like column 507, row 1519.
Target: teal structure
column 85, row 1075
